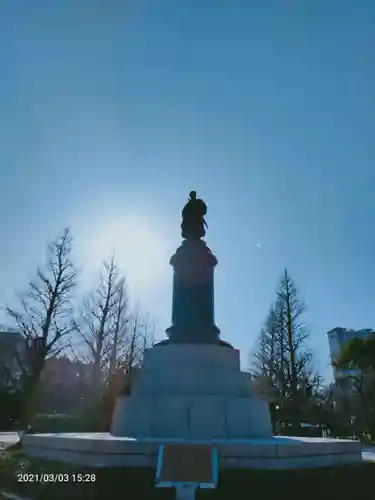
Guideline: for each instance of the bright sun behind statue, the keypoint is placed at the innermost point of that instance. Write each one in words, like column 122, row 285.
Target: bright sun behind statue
column 139, row 247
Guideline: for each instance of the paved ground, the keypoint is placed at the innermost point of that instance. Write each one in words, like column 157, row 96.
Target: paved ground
column 11, row 437
column 8, row 438
column 368, row 453
column 10, row 496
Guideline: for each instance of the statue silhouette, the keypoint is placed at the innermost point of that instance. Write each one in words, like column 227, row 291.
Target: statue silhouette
column 193, row 223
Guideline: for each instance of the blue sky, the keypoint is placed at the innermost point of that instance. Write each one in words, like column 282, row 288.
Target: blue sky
column 111, row 112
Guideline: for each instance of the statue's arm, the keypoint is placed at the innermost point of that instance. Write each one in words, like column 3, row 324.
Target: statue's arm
column 202, row 207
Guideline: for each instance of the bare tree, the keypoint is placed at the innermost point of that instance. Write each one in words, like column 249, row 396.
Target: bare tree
column 140, row 337
column 45, row 315
column 136, row 336
column 121, row 327
column 282, row 362
column 101, row 322
column 296, row 333
column 296, row 357
column 268, row 360
column 264, row 363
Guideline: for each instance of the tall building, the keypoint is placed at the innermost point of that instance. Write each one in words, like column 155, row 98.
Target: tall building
column 339, row 336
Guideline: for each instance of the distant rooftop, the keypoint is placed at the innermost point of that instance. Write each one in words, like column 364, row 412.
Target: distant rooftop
column 342, row 329
column 8, row 329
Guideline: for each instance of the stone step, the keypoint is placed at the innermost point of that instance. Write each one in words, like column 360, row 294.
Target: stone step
column 189, row 380
column 191, row 355
column 193, row 417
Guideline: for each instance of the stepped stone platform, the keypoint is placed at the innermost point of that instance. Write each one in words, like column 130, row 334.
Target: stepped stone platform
column 192, row 391
column 106, row 450
column 196, row 395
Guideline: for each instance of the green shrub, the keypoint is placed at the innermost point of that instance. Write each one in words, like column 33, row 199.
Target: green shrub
column 58, row 423
column 10, row 406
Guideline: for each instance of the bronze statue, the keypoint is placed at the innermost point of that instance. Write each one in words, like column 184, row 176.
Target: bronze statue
column 193, row 223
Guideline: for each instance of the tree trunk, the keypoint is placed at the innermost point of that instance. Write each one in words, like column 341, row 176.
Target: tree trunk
column 30, row 392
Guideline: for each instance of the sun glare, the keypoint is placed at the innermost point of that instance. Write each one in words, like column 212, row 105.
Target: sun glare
column 140, row 249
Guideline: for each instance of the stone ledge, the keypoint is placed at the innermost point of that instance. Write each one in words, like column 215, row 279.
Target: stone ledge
column 192, row 417
column 192, row 381
column 105, row 450
column 191, row 355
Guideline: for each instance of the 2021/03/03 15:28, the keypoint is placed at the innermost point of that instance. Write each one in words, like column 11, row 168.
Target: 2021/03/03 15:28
column 44, row 477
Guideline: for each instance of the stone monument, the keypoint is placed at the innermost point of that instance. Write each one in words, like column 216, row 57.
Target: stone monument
column 193, row 264
column 191, row 385
column 191, row 389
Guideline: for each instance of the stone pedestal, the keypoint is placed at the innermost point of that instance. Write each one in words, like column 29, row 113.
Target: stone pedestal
column 192, row 391
column 193, row 319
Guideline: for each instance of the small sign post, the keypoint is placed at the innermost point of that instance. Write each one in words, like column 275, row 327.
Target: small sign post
column 187, row 467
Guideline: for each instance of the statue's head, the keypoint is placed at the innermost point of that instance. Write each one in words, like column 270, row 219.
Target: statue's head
column 192, row 195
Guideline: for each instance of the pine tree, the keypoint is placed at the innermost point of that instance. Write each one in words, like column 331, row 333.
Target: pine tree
column 282, row 363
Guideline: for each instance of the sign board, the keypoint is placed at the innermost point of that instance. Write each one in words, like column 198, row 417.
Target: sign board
column 187, row 464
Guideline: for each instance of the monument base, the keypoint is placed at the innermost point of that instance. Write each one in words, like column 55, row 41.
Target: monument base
column 192, row 391
column 106, row 450
column 192, row 394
